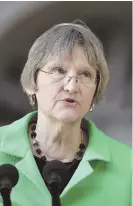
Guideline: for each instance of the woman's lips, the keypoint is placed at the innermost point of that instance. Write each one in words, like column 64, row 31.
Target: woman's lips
column 70, row 100
column 70, row 104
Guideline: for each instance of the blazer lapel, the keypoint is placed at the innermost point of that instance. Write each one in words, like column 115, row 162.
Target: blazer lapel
column 97, row 150
column 28, row 167
column 84, row 169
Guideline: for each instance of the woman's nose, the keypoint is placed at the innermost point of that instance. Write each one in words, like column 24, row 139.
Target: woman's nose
column 71, row 85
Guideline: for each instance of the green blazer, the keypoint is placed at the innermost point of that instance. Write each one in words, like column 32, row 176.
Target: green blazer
column 103, row 177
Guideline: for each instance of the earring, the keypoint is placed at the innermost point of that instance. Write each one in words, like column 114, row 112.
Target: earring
column 33, row 99
column 91, row 108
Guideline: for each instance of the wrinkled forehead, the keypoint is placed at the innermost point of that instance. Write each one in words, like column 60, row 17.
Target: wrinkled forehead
column 78, row 57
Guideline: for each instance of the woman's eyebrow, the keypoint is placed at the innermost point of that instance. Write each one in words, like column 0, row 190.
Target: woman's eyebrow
column 56, row 64
column 87, row 68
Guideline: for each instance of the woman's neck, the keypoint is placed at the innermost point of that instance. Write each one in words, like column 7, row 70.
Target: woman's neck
column 58, row 140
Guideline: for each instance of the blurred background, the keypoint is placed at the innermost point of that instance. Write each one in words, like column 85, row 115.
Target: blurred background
column 22, row 22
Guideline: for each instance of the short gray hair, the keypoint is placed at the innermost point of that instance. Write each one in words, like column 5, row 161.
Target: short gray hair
column 62, row 38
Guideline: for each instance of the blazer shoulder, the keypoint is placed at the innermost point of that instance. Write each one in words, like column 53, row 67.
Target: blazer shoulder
column 121, row 154
column 118, row 146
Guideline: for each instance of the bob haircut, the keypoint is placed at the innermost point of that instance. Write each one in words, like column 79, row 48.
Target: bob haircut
column 62, row 38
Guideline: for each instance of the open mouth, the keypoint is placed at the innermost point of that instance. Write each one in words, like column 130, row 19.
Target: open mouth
column 70, row 100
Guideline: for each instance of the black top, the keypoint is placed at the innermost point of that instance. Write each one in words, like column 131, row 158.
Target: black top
column 40, row 163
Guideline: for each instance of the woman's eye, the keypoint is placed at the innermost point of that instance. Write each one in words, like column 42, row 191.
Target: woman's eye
column 87, row 74
column 58, row 70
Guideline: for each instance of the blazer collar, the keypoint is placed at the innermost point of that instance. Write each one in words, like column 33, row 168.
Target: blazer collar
column 15, row 140
column 98, row 147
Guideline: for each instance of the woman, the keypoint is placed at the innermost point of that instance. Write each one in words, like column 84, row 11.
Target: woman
column 64, row 76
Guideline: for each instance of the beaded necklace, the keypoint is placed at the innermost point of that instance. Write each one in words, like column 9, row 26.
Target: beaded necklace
column 36, row 146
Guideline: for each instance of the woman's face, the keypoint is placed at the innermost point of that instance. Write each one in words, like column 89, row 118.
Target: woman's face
column 56, row 90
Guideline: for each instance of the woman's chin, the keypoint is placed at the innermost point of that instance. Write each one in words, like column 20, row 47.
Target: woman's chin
column 67, row 117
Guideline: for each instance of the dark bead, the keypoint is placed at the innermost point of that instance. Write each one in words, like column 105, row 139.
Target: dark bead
column 82, row 146
column 33, row 134
column 38, row 151
column 35, row 143
column 80, row 153
column 33, row 127
column 43, row 158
